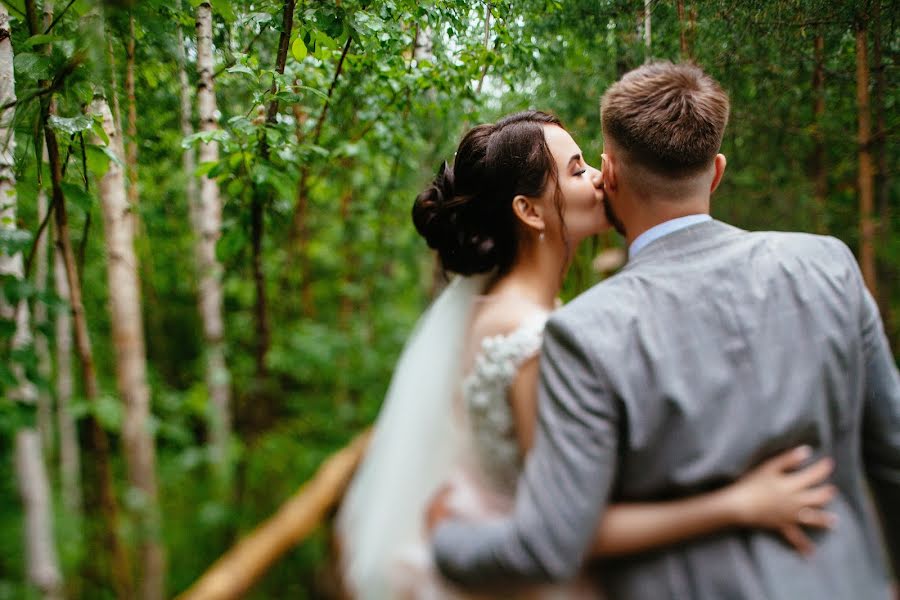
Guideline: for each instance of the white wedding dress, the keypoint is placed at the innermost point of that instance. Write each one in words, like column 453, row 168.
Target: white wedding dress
column 482, row 470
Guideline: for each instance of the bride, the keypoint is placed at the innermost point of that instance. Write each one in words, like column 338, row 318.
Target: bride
column 461, row 408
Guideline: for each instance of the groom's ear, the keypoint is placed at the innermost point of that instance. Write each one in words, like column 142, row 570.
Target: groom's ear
column 608, row 169
column 719, row 165
column 529, row 212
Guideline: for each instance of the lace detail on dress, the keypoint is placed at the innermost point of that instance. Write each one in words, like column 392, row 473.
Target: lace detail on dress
column 485, row 393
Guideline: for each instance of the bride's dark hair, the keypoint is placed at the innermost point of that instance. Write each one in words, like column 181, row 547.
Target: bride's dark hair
column 466, row 212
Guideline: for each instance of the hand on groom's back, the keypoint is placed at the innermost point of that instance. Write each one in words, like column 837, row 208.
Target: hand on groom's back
column 439, row 509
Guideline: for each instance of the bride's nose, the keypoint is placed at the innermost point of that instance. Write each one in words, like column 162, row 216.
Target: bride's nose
column 597, row 178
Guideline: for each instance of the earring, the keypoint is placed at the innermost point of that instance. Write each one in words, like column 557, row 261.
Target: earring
column 541, row 237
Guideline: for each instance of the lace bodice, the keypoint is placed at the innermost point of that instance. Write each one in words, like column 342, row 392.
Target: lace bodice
column 485, row 395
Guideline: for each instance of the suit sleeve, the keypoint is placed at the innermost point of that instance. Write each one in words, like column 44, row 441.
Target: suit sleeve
column 565, row 485
column 881, row 424
column 881, row 408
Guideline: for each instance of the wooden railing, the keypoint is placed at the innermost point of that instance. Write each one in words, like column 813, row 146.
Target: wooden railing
column 242, row 566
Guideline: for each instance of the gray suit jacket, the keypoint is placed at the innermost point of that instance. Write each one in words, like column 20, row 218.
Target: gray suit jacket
column 713, row 349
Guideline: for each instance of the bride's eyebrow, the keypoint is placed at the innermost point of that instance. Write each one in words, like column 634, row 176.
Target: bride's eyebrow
column 575, row 158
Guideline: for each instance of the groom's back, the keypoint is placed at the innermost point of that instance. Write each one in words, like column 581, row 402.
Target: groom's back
column 722, row 348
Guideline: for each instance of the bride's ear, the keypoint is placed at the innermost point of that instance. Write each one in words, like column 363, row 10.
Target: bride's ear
column 529, row 212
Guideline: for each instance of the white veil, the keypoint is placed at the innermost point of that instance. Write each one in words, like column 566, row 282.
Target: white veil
column 415, row 444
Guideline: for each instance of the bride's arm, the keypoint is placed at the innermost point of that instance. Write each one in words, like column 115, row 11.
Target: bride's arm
column 774, row 495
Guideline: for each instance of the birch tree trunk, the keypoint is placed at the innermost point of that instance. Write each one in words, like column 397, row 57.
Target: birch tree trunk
column 208, row 230
column 188, row 160
column 865, row 179
column 41, row 348
column 40, row 550
column 131, row 363
column 41, row 560
column 103, row 491
column 647, row 24
column 69, row 451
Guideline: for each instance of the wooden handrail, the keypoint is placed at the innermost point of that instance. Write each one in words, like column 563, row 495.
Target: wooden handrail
column 242, row 566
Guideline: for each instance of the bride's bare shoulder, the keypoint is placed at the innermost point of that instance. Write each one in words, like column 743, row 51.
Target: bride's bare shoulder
column 501, row 316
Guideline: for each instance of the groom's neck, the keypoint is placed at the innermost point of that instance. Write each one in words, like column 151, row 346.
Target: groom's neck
column 650, row 213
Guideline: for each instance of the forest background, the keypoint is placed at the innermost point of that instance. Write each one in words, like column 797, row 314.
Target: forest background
column 208, row 262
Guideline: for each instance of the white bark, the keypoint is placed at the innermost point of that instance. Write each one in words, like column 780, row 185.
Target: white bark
column 41, row 560
column 131, row 363
column 188, row 160
column 43, row 566
column 208, row 229
column 69, row 451
column 647, row 37
column 41, row 348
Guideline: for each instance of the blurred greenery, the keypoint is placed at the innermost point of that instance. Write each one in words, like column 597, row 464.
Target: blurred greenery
column 342, row 299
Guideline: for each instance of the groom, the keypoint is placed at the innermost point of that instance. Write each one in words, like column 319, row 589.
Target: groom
column 713, row 349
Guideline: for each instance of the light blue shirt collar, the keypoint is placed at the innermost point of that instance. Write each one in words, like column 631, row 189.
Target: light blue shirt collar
column 663, row 229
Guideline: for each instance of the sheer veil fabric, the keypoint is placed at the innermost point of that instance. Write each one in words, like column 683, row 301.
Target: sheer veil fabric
column 416, row 443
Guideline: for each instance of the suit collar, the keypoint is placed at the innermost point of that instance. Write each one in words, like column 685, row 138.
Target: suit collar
column 692, row 238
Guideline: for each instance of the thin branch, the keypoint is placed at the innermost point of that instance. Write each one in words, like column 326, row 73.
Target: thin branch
column 487, row 39
column 40, row 231
column 337, row 73
column 246, row 50
column 10, row 5
column 55, row 84
column 58, row 17
column 87, row 217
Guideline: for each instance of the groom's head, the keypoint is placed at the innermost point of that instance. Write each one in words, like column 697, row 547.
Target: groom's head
column 662, row 127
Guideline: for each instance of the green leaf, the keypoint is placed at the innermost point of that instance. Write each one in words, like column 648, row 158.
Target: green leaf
column 97, row 160
column 241, row 69
column 77, row 196
column 204, row 168
column 13, row 241
column 43, row 38
column 70, row 126
column 319, row 93
column 33, row 66
column 108, row 411
column 298, row 49
column 97, row 128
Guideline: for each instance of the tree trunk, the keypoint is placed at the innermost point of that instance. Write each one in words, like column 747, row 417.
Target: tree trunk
column 487, row 40
column 103, row 490
column 865, row 181
column 40, row 551
column 131, row 148
column 820, row 176
column 41, row 560
column 41, row 347
column 131, row 363
column 882, row 185
column 261, row 197
column 647, row 23
column 69, row 451
column 682, row 38
column 299, row 225
column 188, row 160
column 209, row 225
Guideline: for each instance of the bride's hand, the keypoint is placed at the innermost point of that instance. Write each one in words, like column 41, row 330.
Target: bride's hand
column 781, row 496
column 438, row 509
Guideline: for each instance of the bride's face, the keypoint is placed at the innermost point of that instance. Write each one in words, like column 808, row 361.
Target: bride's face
column 579, row 185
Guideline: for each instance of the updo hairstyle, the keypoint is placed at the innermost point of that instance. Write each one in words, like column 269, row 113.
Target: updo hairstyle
column 466, row 213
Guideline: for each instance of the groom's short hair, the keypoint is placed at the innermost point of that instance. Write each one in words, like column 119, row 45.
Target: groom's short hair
column 668, row 117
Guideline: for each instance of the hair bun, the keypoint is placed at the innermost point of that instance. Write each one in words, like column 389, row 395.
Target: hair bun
column 429, row 210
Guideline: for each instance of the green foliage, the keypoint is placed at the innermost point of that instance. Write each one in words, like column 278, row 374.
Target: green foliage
column 352, row 149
